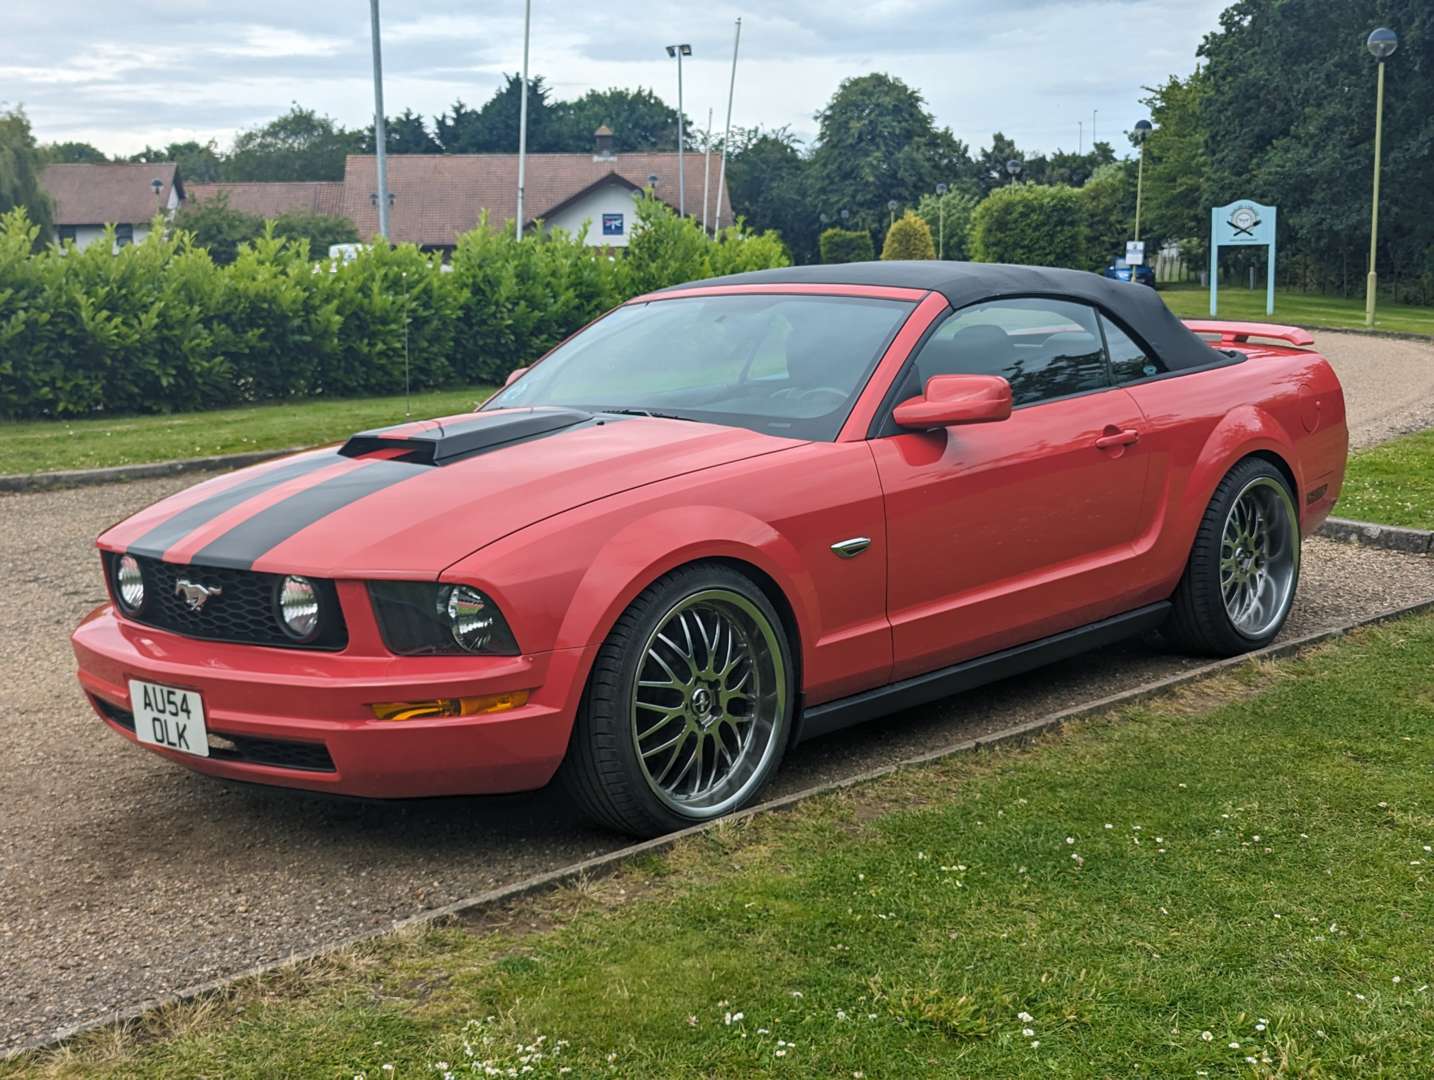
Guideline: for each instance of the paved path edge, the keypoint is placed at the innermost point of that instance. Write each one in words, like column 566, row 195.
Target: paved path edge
column 602, row 865
column 73, row 478
column 1372, row 534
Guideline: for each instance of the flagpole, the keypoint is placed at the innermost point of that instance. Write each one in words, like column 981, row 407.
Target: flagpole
column 727, row 132
column 706, row 168
column 523, row 119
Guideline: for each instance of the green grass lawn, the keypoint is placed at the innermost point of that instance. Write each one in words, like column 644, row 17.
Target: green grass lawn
column 1392, row 484
column 1235, row 881
column 46, row 445
column 1299, row 309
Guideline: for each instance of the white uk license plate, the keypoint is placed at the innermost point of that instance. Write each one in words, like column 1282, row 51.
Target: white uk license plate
column 169, row 717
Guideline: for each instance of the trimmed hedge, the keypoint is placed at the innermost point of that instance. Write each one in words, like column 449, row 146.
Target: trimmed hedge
column 908, row 238
column 846, row 245
column 158, row 327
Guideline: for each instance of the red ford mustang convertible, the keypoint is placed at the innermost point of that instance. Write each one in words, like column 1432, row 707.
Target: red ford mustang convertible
column 724, row 518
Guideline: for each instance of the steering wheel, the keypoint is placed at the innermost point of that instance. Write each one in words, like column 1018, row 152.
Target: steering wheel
column 808, row 394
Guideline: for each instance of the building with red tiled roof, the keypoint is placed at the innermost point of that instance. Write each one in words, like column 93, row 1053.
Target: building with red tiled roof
column 89, row 197
column 435, row 198
column 269, row 200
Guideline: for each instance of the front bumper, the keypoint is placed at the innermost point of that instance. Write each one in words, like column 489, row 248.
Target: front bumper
column 283, row 710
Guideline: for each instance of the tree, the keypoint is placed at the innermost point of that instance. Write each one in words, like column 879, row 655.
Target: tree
column 908, row 238
column 1288, row 110
column 1175, row 203
column 72, row 153
column 320, row 231
column 877, row 142
column 948, row 217
column 20, row 165
column 403, row 134
column 217, row 227
column 769, row 183
column 197, row 162
column 1108, row 206
column 300, row 145
column 846, row 245
column 493, row 128
column 639, row 120
column 1031, row 224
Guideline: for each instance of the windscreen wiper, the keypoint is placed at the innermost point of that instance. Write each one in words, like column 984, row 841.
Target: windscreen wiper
column 645, row 412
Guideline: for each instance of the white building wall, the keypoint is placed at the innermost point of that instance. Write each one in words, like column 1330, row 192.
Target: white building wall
column 613, row 197
column 85, row 235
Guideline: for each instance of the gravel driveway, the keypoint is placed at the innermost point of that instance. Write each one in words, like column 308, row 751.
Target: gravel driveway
column 122, row 876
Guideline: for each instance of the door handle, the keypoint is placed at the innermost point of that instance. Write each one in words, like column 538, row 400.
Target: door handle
column 1117, row 437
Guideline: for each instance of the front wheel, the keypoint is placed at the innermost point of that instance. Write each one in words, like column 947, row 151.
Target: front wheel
column 1244, row 567
column 688, row 708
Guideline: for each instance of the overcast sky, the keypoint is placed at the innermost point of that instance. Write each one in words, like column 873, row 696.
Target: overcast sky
column 125, row 74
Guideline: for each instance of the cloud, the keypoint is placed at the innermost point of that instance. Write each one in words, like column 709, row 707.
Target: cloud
column 125, row 73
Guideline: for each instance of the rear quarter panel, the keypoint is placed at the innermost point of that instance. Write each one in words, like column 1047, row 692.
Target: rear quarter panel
column 1281, row 402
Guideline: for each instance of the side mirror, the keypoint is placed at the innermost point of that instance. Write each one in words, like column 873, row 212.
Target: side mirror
column 514, row 376
column 956, row 399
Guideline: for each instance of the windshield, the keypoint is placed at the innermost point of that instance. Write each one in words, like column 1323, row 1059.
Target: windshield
column 780, row 364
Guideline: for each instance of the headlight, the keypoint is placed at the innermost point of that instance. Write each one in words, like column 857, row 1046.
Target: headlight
column 129, row 584
column 423, row 618
column 298, row 608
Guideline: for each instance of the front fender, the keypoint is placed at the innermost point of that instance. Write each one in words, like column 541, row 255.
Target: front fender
column 664, row 539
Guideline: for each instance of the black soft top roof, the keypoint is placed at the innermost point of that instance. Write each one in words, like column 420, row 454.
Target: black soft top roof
column 1138, row 307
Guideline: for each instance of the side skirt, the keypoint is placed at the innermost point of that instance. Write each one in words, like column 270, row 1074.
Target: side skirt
column 969, row 674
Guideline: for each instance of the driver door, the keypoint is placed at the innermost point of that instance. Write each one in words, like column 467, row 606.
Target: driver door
column 1001, row 533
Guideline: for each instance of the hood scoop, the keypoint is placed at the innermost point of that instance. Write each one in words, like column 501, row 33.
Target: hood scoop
column 440, row 442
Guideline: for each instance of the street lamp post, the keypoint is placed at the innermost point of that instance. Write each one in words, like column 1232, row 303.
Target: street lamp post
column 1014, row 167
column 380, row 139
column 679, row 51
column 523, row 117
column 941, row 221
column 1382, row 43
column 891, row 205
column 1142, row 132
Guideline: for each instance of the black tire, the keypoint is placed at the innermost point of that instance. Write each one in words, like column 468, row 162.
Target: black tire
column 604, row 770
column 1201, row 621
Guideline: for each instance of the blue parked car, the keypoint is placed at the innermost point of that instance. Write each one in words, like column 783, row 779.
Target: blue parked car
column 1121, row 270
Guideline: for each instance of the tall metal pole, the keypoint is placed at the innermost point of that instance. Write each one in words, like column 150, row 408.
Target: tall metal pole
column 380, row 139
column 523, row 119
column 706, row 168
column 681, row 138
column 727, row 131
column 1372, row 282
column 1093, row 114
column 1080, row 137
column 1139, row 187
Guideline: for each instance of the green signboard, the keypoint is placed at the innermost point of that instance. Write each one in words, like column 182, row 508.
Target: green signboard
column 1242, row 223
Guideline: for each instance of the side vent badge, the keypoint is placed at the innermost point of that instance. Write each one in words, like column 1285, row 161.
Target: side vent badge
column 850, row 549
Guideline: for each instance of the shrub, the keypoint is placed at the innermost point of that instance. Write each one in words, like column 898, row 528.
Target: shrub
column 1108, row 205
column 908, row 238
column 1033, row 224
column 949, row 219
column 160, row 326
column 217, row 227
column 846, row 245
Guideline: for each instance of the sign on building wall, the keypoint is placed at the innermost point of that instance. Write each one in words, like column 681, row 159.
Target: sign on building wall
column 1242, row 223
column 612, row 224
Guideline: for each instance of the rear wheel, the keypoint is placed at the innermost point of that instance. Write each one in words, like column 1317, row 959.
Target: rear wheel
column 688, row 708
column 1244, row 567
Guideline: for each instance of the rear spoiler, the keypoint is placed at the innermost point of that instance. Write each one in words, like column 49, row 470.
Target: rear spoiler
column 1237, row 333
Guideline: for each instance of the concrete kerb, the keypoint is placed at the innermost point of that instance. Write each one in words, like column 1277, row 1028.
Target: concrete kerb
column 602, row 865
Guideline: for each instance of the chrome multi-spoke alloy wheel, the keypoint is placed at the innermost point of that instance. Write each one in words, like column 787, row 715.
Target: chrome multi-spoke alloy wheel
column 1259, row 556
column 709, row 702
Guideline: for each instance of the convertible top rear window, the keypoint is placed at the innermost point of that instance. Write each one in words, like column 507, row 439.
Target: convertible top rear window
column 789, row 365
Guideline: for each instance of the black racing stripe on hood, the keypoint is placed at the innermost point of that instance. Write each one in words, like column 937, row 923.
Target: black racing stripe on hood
column 170, row 532
column 238, row 548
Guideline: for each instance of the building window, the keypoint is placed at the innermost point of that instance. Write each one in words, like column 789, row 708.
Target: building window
column 68, row 234
column 124, row 235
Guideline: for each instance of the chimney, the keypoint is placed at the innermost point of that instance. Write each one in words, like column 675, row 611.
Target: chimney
column 602, row 144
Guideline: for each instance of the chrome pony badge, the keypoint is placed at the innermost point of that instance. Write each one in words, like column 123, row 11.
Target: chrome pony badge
column 195, row 594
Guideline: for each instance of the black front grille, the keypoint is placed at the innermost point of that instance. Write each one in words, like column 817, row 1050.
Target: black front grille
column 245, row 610
column 280, row 753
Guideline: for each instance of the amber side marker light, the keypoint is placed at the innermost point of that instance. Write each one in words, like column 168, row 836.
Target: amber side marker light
column 439, row 707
